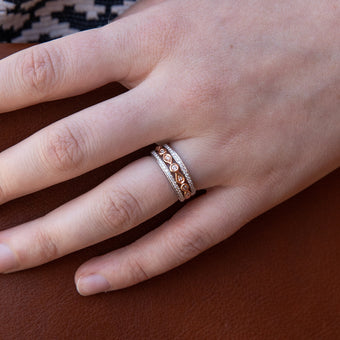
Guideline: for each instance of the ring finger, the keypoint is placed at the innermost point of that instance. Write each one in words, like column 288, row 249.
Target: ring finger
column 84, row 141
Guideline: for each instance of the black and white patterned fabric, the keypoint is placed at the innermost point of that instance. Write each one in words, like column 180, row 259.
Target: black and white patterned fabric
column 23, row 21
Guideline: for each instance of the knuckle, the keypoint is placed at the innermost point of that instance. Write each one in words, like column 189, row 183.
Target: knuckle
column 199, row 91
column 196, row 97
column 39, row 67
column 119, row 209
column 187, row 243
column 3, row 193
column 159, row 32
column 46, row 246
column 62, row 148
column 158, row 27
column 136, row 271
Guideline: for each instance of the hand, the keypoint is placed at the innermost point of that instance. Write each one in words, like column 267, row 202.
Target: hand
column 246, row 92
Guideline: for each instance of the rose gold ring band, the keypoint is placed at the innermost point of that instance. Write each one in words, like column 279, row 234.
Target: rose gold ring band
column 175, row 171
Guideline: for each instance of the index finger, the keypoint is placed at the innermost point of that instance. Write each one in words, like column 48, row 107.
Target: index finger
column 67, row 66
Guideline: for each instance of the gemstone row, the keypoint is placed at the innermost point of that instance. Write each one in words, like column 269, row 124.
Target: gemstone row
column 168, row 175
column 175, row 170
column 183, row 168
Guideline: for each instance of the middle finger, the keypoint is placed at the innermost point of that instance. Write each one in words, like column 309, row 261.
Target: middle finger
column 84, row 141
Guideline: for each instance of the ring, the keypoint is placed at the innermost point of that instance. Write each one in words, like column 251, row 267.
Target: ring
column 175, row 171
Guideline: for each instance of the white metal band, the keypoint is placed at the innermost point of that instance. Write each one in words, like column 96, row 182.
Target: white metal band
column 168, row 175
column 184, row 169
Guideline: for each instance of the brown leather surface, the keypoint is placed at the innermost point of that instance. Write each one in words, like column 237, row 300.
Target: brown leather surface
column 277, row 278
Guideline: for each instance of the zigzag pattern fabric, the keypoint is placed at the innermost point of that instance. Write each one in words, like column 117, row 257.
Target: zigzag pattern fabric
column 24, row 21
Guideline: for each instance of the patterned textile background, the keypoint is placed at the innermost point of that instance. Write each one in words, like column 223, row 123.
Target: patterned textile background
column 23, row 21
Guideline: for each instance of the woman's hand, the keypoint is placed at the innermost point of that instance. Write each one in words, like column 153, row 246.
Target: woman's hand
column 247, row 93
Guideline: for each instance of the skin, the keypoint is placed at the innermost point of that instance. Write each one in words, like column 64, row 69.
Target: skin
column 247, row 93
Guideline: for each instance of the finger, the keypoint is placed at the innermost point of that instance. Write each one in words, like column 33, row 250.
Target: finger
column 69, row 66
column 121, row 202
column 84, row 141
column 138, row 7
column 199, row 225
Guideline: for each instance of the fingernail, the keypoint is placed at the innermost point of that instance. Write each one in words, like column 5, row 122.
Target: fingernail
column 7, row 259
column 92, row 284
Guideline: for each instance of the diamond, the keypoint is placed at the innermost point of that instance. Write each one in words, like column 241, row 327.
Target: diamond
column 161, row 151
column 167, row 158
column 179, row 178
column 174, row 167
column 187, row 194
column 185, row 187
